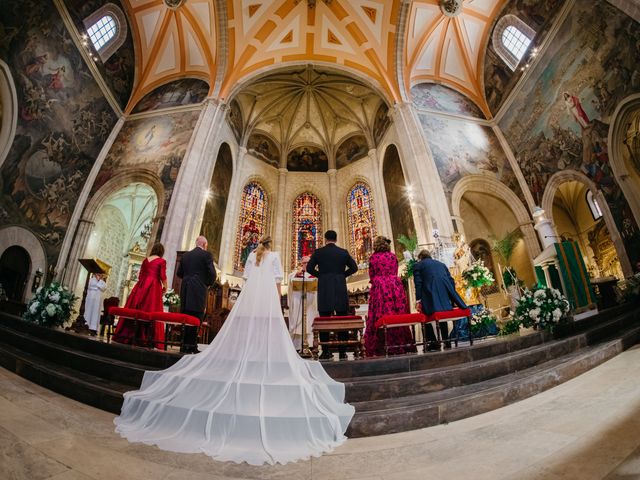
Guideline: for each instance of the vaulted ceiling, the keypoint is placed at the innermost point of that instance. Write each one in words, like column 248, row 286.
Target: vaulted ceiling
column 180, row 38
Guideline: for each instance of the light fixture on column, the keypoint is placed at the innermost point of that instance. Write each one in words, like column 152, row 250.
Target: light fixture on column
column 208, row 194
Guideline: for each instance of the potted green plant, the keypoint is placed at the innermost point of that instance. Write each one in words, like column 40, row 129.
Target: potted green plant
column 51, row 306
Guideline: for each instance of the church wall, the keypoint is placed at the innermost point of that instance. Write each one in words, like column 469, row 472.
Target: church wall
column 462, row 147
column 155, row 145
column 593, row 59
column 63, row 121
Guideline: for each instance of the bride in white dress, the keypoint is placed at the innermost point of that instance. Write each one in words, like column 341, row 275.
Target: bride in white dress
column 248, row 396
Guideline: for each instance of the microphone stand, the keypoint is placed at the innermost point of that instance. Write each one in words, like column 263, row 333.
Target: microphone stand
column 304, row 346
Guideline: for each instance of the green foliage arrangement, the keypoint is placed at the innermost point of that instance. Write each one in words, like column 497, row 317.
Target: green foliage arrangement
column 477, row 275
column 542, row 307
column 410, row 245
column 483, row 323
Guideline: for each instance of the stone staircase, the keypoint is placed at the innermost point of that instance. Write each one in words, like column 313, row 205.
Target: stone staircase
column 390, row 394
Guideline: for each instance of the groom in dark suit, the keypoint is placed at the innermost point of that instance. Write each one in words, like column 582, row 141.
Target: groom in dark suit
column 332, row 265
column 197, row 273
column 436, row 292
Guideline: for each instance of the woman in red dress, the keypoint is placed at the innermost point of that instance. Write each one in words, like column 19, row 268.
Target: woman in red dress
column 386, row 297
column 146, row 296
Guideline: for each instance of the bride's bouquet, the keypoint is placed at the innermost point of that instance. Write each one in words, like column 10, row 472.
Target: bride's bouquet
column 170, row 298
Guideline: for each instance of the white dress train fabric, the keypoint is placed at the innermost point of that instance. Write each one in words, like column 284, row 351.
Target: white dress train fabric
column 248, row 397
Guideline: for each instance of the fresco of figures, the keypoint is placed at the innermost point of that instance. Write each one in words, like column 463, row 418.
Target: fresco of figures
column 307, row 159
column 433, row 96
column 560, row 119
column 186, row 91
column 156, row 144
column 264, row 148
column 352, row 149
column 118, row 70
column 463, row 148
column 63, row 121
column 499, row 79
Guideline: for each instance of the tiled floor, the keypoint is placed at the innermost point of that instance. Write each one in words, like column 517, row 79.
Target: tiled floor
column 587, row 428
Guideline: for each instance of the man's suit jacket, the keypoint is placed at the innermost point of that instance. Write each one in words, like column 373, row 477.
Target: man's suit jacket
column 435, row 287
column 197, row 273
column 332, row 265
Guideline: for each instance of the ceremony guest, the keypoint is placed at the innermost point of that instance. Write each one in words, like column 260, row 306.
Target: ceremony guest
column 386, row 297
column 197, row 273
column 295, row 305
column 436, row 292
column 331, row 265
column 92, row 303
column 146, row 295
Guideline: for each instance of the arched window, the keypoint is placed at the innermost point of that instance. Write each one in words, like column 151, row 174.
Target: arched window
column 511, row 39
column 252, row 223
column 307, row 225
column 107, row 30
column 362, row 224
column 596, row 212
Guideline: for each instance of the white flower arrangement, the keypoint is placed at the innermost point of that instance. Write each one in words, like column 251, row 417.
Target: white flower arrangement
column 477, row 275
column 50, row 306
column 170, row 298
column 542, row 308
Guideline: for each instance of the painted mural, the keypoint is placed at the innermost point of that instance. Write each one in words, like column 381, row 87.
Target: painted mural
column 186, row 91
column 560, row 118
column 264, row 148
column 352, row 149
column 463, row 148
column 434, row 96
column 306, row 227
column 155, row 144
column 119, row 69
column 63, row 121
column 213, row 219
column 399, row 207
column 362, row 223
column 381, row 122
column 499, row 79
column 307, row 159
column 234, row 116
column 252, row 223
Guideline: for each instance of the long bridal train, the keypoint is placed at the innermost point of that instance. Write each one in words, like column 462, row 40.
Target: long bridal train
column 248, row 396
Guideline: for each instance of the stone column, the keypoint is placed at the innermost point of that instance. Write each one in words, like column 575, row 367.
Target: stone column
column 544, row 227
column 334, row 218
column 184, row 215
column 420, row 172
column 380, row 197
column 227, row 246
column 281, row 211
column 65, row 260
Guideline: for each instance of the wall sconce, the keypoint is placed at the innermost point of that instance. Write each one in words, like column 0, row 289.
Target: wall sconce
column 37, row 280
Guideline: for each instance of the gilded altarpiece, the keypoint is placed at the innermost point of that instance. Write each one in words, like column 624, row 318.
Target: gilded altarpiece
column 307, row 225
column 252, row 224
column 362, row 223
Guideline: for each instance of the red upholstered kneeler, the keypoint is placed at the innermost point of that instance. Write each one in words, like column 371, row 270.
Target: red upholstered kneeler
column 352, row 324
column 140, row 320
column 446, row 315
column 169, row 319
column 400, row 320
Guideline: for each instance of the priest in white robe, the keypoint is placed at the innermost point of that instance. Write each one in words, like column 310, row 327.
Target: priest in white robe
column 295, row 305
column 93, row 302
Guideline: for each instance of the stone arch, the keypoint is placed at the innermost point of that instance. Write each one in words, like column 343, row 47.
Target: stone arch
column 568, row 175
column 19, row 236
column 628, row 184
column 88, row 217
column 9, row 110
column 491, row 186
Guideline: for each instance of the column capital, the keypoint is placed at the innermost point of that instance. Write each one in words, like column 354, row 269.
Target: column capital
column 332, row 172
column 283, row 171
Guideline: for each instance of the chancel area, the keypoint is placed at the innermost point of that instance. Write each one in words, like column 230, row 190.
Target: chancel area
column 497, row 138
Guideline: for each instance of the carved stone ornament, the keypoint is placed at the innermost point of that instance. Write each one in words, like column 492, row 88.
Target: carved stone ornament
column 174, row 4
column 451, row 8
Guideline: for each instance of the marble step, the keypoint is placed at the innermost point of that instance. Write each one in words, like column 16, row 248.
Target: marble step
column 380, row 417
column 152, row 359
column 96, row 365
column 83, row 387
column 433, row 379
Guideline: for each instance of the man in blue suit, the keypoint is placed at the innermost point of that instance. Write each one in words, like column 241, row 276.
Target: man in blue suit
column 436, row 292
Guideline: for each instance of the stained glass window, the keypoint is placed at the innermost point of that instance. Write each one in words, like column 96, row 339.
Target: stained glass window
column 252, row 224
column 362, row 223
column 307, row 226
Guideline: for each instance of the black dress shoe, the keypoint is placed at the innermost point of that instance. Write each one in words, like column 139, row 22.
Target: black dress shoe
column 326, row 356
column 433, row 347
column 447, row 345
column 342, row 356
